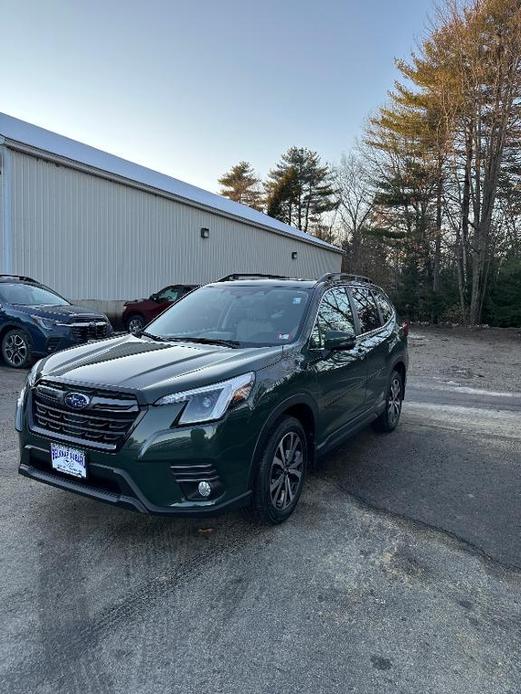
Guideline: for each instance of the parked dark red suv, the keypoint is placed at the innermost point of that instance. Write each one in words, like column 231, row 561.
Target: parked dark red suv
column 139, row 312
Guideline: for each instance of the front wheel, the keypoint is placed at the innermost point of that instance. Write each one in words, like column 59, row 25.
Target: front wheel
column 388, row 420
column 135, row 324
column 16, row 349
column 281, row 472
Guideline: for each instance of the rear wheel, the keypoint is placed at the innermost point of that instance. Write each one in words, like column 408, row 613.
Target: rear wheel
column 16, row 349
column 135, row 323
column 281, row 472
column 388, row 420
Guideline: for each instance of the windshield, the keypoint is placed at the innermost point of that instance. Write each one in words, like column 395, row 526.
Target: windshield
column 245, row 315
column 29, row 295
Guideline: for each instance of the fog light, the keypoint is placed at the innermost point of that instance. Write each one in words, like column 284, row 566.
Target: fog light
column 204, row 488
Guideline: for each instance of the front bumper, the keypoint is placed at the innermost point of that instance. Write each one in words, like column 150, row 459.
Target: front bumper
column 131, row 499
column 157, row 469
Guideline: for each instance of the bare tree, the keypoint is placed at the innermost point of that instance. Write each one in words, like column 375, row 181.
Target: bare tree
column 356, row 199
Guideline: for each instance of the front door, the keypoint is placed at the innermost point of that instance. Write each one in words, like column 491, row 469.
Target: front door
column 340, row 375
column 164, row 299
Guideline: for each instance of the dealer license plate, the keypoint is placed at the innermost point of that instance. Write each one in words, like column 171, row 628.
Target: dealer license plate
column 71, row 461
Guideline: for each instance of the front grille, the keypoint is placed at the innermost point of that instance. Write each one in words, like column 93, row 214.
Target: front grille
column 105, row 423
column 89, row 331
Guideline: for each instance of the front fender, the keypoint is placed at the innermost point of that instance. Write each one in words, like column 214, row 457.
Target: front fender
column 302, row 398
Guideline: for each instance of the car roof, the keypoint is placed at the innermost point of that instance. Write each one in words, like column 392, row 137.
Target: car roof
column 268, row 282
column 17, row 279
column 330, row 279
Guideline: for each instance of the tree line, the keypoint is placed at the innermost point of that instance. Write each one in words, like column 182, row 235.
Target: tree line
column 299, row 190
column 429, row 203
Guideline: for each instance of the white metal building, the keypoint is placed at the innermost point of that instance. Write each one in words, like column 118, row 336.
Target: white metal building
column 99, row 228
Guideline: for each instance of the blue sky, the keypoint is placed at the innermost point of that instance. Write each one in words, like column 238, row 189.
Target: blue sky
column 191, row 87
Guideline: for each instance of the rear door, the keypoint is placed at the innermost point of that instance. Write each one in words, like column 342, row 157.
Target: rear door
column 373, row 343
column 341, row 375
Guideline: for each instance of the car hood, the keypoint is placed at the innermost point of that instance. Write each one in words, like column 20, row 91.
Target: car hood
column 67, row 313
column 152, row 369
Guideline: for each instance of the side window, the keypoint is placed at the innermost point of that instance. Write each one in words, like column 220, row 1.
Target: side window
column 168, row 294
column 334, row 313
column 366, row 309
column 384, row 305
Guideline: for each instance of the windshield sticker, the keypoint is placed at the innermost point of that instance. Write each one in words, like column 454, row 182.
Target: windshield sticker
column 283, row 336
column 297, row 299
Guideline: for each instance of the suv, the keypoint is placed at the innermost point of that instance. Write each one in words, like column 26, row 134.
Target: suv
column 139, row 312
column 35, row 321
column 225, row 400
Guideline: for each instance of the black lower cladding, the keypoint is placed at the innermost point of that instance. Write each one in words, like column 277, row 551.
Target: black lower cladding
column 53, row 343
column 106, row 421
column 189, row 476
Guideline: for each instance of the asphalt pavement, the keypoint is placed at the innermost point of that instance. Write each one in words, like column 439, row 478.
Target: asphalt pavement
column 400, row 571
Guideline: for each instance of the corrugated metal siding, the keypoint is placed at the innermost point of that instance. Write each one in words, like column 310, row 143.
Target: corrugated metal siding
column 3, row 259
column 90, row 238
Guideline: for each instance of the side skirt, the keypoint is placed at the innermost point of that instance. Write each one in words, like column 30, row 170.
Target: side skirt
column 348, row 430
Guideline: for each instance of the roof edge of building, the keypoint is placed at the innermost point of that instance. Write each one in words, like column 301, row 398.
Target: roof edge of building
column 36, row 141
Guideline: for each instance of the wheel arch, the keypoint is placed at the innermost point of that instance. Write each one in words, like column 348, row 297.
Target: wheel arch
column 303, row 408
column 15, row 326
column 7, row 327
column 134, row 314
column 399, row 365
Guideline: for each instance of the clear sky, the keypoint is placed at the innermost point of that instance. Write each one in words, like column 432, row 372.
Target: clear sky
column 191, row 87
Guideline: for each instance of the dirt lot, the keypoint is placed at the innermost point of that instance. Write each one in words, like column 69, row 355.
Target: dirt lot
column 481, row 358
column 400, row 571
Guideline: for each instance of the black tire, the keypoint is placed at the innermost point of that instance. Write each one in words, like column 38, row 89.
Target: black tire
column 281, row 472
column 16, row 349
column 135, row 323
column 388, row 420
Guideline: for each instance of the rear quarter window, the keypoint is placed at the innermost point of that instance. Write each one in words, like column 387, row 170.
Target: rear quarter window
column 366, row 309
column 385, row 306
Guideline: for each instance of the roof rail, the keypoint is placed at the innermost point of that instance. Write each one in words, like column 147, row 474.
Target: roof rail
column 250, row 275
column 18, row 277
column 345, row 276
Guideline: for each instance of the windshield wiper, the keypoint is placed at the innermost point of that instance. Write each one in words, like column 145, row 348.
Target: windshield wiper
column 152, row 336
column 205, row 341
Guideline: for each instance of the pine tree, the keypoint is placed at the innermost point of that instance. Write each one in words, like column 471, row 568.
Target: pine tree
column 242, row 185
column 454, row 118
column 299, row 189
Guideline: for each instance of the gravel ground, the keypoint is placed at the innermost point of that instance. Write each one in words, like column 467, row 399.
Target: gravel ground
column 481, row 358
column 399, row 572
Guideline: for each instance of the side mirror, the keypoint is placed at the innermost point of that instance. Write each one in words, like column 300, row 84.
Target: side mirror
column 339, row 340
column 153, row 297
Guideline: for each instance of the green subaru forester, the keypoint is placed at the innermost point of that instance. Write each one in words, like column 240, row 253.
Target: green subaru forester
column 225, row 400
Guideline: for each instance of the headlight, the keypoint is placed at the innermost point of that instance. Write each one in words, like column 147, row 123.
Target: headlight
column 18, row 419
column 45, row 323
column 20, row 403
column 210, row 402
column 31, row 376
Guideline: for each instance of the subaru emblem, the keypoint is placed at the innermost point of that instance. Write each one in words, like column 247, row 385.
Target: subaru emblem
column 77, row 401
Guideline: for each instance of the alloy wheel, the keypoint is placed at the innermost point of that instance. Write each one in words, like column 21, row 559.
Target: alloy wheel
column 287, row 470
column 135, row 325
column 394, row 401
column 15, row 350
